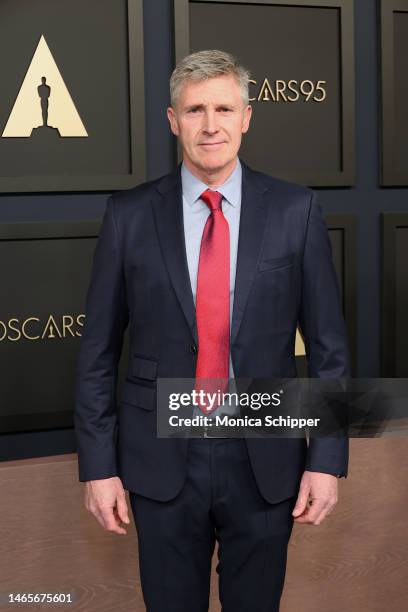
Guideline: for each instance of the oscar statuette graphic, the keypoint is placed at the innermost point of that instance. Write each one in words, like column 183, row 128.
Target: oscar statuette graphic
column 56, row 115
column 44, row 92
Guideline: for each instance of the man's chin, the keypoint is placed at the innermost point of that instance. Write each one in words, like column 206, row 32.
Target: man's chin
column 211, row 164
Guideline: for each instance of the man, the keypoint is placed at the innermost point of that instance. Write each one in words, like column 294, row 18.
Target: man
column 198, row 309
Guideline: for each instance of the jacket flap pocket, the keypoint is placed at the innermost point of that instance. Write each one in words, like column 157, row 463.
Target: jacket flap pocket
column 144, row 368
column 276, row 263
column 143, row 397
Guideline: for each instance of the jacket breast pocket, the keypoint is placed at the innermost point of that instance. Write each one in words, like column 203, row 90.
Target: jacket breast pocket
column 276, row 263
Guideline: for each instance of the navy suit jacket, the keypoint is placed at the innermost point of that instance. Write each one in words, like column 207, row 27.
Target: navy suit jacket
column 285, row 277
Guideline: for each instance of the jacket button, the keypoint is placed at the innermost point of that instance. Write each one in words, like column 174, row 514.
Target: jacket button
column 193, row 349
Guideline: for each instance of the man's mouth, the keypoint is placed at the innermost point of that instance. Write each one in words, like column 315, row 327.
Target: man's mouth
column 211, row 144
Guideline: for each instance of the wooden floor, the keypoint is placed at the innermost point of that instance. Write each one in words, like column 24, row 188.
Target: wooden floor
column 357, row 560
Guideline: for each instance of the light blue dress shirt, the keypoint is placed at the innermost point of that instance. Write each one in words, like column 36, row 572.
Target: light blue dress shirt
column 195, row 215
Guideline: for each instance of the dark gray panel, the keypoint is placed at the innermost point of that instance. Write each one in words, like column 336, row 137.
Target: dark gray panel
column 301, row 55
column 300, row 135
column 401, row 92
column 394, row 311
column 100, row 60
column 401, row 302
column 44, row 284
column 394, row 87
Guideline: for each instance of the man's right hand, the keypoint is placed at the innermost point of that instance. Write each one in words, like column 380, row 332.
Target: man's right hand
column 106, row 500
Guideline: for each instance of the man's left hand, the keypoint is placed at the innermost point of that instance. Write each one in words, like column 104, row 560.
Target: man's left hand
column 322, row 489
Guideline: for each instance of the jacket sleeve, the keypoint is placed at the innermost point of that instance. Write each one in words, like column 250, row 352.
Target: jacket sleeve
column 99, row 353
column 322, row 324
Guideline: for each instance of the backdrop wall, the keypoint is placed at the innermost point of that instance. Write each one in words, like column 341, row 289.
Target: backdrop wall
column 366, row 200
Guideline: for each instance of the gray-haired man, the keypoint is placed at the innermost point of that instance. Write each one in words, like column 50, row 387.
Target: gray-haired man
column 197, row 308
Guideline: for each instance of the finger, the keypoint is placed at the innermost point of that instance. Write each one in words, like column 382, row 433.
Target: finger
column 87, row 501
column 313, row 512
column 320, row 518
column 105, row 516
column 318, row 508
column 117, row 518
column 325, row 513
column 92, row 508
column 99, row 518
column 122, row 509
column 110, row 521
column 303, row 517
column 301, row 502
column 95, row 512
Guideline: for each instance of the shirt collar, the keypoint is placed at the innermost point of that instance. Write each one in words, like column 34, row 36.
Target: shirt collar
column 231, row 189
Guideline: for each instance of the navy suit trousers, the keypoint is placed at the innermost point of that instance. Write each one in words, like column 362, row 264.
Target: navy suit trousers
column 219, row 502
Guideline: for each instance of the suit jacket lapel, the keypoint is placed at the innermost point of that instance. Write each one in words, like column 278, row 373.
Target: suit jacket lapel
column 168, row 211
column 251, row 229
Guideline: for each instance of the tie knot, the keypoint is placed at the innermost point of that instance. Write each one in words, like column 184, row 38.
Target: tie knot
column 213, row 199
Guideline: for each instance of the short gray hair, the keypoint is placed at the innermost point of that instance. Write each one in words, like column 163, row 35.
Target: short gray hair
column 208, row 64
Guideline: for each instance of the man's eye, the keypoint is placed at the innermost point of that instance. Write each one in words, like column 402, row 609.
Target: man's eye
column 226, row 110
column 193, row 110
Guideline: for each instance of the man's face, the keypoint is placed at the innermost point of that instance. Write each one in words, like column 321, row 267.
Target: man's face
column 209, row 119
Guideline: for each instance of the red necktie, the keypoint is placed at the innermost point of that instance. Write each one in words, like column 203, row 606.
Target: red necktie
column 212, row 302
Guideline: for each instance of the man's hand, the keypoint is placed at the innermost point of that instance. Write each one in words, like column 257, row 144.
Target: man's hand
column 322, row 489
column 106, row 500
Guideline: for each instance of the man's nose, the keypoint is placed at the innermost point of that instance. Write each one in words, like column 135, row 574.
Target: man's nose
column 210, row 122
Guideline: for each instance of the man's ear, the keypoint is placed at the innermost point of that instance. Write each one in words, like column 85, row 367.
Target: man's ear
column 171, row 115
column 247, row 118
